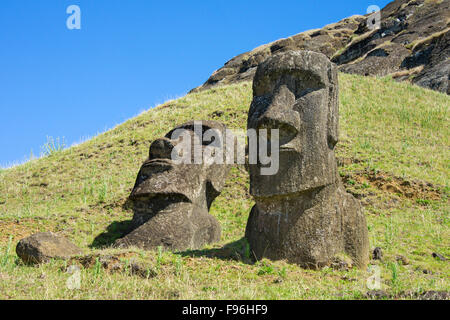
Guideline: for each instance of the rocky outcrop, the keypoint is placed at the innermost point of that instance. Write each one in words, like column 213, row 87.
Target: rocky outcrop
column 436, row 69
column 412, row 44
column 44, row 246
column 302, row 213
column 327, row 40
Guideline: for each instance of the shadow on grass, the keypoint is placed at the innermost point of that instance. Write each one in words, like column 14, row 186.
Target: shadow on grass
column 113, row 232
column 234, row 251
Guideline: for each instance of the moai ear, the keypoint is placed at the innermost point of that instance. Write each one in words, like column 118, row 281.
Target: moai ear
column 333, row 107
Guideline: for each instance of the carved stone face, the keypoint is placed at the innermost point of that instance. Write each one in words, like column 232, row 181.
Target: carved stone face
column 161, row 183
column 171, row 200
column 296, row 93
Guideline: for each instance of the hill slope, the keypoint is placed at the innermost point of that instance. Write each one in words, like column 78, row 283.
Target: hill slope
column 393, row 155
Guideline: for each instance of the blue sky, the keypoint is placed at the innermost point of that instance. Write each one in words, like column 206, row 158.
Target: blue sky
column 127, row 57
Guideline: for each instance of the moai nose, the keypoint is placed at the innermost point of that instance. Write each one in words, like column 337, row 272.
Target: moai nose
column 161, row 149
column 281, row 115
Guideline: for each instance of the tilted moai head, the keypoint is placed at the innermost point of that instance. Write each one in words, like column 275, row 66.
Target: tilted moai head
column 302, row 212
column 296, row 93
column 170, row 199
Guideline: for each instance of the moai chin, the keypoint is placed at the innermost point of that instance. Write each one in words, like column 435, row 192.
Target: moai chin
column 171, row 200
column 302, row 213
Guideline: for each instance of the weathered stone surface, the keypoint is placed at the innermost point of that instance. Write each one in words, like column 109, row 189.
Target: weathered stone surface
column 328, row 41
column 171, row 201
column 42, row 247
column 302, row 213
column 434, row 56
column 411, row 45
column 381, row 61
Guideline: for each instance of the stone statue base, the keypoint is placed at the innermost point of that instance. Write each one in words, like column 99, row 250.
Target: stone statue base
column 180, row 226
column 309, row 228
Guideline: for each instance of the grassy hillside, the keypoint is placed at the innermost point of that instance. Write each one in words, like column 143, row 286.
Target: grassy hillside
column 393, row 155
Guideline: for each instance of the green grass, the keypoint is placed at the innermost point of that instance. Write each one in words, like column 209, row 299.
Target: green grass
column 386, row 127
column 52, row 146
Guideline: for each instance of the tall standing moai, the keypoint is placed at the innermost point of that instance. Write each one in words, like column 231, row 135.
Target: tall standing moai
column 302, row 213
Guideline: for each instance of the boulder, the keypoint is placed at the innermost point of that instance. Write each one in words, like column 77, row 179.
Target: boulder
column 44, row 246
column 302, row 213
column 328, row 40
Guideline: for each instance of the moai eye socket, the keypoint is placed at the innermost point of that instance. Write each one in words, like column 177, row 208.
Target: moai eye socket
column 208, row 133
